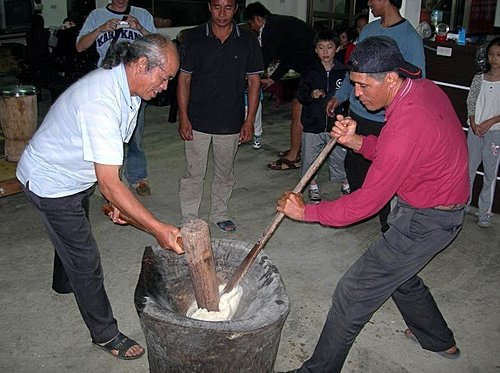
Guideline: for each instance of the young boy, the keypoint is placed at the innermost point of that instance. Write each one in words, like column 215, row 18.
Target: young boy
column 318, row 82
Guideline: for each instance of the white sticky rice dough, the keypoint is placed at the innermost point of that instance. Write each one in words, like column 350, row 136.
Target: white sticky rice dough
column 228, row 305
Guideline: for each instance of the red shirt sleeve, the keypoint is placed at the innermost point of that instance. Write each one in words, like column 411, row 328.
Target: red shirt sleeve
column 369, row 147
column 394, row 156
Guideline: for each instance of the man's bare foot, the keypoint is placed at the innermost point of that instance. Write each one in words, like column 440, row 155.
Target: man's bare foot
column 451, row 353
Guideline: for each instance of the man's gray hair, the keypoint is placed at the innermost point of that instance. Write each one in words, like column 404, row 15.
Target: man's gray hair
column 381, row 76
column 151, row 46
column 378, row 76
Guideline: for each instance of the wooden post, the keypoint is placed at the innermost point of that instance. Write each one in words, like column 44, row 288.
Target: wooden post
column 199, row 256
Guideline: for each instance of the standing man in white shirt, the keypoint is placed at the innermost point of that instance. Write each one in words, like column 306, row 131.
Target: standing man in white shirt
column 119, row 22
column 79, row 143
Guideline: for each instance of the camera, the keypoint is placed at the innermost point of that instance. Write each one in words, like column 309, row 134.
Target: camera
column 122, row 24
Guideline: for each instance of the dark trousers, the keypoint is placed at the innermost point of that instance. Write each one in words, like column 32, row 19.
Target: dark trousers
column 356, row 166
column 77, row 263
column 389, row 269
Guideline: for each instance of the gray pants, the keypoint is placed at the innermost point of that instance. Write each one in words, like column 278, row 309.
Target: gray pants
column 224, row 149
column 312, row 144
column 389, row 269
column 486, row 150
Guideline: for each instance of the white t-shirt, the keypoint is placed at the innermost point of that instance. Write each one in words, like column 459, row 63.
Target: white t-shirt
column 488, row 103
column 88, row 124
column 100, row 15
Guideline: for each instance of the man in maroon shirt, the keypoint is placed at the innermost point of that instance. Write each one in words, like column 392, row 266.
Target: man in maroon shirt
column 421, row 156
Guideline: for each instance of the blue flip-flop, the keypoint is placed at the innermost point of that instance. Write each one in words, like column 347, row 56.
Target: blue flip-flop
column 226, row 226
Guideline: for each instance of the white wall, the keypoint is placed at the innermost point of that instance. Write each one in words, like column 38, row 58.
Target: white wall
column 497, row 15
column 411, row 11
column 54, row 12
column 297, row 8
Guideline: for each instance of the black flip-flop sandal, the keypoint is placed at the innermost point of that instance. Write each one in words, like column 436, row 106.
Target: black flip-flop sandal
column 122, row 344
column 283, row 164
column 226, row 226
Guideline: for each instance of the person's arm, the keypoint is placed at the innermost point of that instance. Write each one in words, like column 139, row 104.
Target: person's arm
column 485, row 125
column 246, row 132
column 266, row 82
column 183, row 93
column 136, row 25
column 122, row 198
column 344, row 130
column 341, row 95
column 88, row 35
column 475, row 88
column 144, row 23
column 393, row 163
column 306, row 94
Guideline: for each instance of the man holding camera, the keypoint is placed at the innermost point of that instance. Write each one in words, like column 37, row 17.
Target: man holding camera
column 115, row 23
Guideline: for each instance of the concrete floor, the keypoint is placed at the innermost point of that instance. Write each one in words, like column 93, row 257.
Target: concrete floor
column 43, row 331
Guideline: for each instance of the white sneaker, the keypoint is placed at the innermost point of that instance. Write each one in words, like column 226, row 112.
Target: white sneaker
column 345, row 189
column 314, row 196
column 256, row 142
column 484, row 221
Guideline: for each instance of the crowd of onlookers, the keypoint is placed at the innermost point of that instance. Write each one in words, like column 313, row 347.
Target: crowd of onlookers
column 287, row 44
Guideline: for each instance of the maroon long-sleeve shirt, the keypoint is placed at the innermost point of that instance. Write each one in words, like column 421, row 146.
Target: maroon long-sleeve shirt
column 420, row 155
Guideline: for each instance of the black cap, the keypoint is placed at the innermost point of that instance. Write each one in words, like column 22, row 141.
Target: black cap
column 378, row 54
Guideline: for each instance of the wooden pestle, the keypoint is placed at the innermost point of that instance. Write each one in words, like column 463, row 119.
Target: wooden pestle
column 199, row 256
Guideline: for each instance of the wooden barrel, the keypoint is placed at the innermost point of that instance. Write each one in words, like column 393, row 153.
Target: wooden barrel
column 18, row 117
column 248, row 343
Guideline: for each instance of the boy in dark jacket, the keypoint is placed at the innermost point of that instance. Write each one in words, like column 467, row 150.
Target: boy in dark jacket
column 319, row 81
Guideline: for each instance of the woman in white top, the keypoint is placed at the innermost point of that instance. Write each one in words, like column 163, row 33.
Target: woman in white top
column 483, row 140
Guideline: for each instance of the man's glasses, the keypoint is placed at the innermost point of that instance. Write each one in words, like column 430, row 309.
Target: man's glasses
column 167, row 77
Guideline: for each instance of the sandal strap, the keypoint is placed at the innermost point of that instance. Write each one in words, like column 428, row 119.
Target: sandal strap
column 121, row 343
column 284, row 164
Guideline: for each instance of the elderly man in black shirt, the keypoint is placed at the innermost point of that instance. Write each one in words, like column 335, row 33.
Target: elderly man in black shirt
column 219, row 57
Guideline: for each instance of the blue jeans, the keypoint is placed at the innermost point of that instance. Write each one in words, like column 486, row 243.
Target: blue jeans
column 135, row 165
column 77, row 262
column 389, row 269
